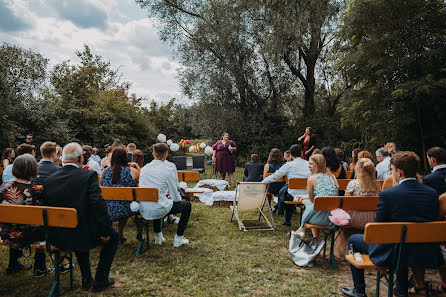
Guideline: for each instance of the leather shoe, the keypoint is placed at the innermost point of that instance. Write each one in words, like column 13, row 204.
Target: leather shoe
column 352, row 293
column 101, row 286
column 87, row 283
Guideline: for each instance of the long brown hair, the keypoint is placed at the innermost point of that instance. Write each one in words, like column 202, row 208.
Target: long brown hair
column 6, row 153
column 275, row 156
column 365, row 173
column 118, row 160
column 138, row 157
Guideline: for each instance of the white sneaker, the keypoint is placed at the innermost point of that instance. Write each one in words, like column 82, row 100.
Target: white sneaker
column 179, row 241
column 173, row 219
column 159, row 238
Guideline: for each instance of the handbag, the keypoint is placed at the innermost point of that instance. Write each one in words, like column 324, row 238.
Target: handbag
column 304, row 253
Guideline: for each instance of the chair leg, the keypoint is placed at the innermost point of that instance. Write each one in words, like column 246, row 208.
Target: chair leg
column 140, row 239
column 55, row 287
column 146, row 225
column 390, row 284
column 70, row 261
column 378, row 282
column 332, row 257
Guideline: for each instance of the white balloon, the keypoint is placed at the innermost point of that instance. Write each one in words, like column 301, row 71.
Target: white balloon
column 208, row 150
column 202, row 145
column 192, row 149
column 169, row 142
column 161, row 137
column 134, row 206
column 174, row 147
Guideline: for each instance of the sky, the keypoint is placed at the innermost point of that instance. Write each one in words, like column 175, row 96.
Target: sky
column 117, row 30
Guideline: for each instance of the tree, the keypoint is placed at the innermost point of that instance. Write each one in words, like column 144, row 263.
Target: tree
column 22, row 77
column 394, row 55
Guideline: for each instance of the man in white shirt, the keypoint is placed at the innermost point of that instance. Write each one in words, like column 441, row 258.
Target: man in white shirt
column 162, row 175
column 383, row 168
column 296, row 168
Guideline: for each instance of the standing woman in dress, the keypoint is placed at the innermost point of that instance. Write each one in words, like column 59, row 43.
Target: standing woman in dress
column 308, row 143
column 223, row 157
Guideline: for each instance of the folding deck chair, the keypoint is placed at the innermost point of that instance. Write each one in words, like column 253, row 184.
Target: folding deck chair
column 251, row 196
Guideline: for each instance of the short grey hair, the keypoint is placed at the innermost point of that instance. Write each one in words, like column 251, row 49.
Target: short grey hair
column 72, row 151
column 382, row 152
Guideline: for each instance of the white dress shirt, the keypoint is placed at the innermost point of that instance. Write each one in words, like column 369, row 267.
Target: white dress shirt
column 383, row 169
column 439, row 167
column 298, row 168
column 94, row 165
column 164, row 177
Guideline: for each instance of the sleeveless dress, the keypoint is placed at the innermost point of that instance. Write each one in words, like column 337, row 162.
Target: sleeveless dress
column 274, row 188
column 118, row 210
column 325, row 187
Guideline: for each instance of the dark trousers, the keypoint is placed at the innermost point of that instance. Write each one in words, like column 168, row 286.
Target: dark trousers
column 359, row 245
column 105, row 260
column 16, row 254
column 183, row 207
column 289, row 208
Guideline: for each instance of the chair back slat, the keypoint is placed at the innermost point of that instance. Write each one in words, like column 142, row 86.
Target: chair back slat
column 416, row 232
column 348, row 173
column 283, row 179
column 327, row 203
column 250, row 196
column 32, row 215
column 126, row 193
column 191, row 176
column 297, row 183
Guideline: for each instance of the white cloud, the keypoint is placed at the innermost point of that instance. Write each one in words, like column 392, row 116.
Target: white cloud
column 130, row 43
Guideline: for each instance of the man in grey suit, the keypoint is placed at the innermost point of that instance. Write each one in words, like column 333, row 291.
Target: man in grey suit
column 253, row 170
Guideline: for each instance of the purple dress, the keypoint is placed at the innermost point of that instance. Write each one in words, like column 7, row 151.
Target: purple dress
column 224, row 160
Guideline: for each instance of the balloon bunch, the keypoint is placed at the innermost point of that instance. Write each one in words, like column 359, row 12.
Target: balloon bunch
column 193, row 148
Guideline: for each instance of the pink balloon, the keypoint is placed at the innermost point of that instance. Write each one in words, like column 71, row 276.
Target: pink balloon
column 187, row 141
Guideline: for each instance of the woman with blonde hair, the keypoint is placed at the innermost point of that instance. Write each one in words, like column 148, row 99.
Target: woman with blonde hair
column 365, row 184
column 320, row 183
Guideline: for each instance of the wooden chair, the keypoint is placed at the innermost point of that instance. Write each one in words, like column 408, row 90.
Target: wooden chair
column 297, row 184
column 283, row 179
column 328, row 203
column 133, row 194
column 402, row 233
column 188, row 176
column 47, row 217
column 251, row 196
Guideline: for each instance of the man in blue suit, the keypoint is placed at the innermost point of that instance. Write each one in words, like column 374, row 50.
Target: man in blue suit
column 46, row 165
column 410, row 201
column 437, row 178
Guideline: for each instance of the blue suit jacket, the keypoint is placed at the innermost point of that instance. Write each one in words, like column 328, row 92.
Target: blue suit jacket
column 436, row 180
column 45, row 169
column 408, row 202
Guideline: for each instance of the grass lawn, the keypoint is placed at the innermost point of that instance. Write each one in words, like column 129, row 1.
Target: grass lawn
column 219, row 261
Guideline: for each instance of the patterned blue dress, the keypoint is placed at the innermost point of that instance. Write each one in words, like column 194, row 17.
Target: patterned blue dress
column 325, row 187
column 118, row 210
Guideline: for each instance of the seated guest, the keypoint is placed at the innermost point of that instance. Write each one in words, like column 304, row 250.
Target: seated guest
column 362, row 154
column 8, row 157
column 321, row 183
column 296, row 168
column 317, row 151
column 77, row 188
column 383, row 168
column 410, row 201
column 286, row 156
column 162, row 174
column 58, row 160
column 95, row 156
column 22, row 149
column 436, row 157
column 355, row 153
column 340, row 155
column 20, row 191
column 131, row 147
column 441, row 290
column 253, row 170
column 138, row 158
column 105, row 162
column 274, row 162
column 89, row 162
column 365, row 184
column 46, row 165
column 119, row 174
column 334, row 165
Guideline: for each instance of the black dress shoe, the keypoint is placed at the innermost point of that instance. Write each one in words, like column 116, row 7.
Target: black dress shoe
column 352, row 293
column 101, row 286
column 87, row 283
